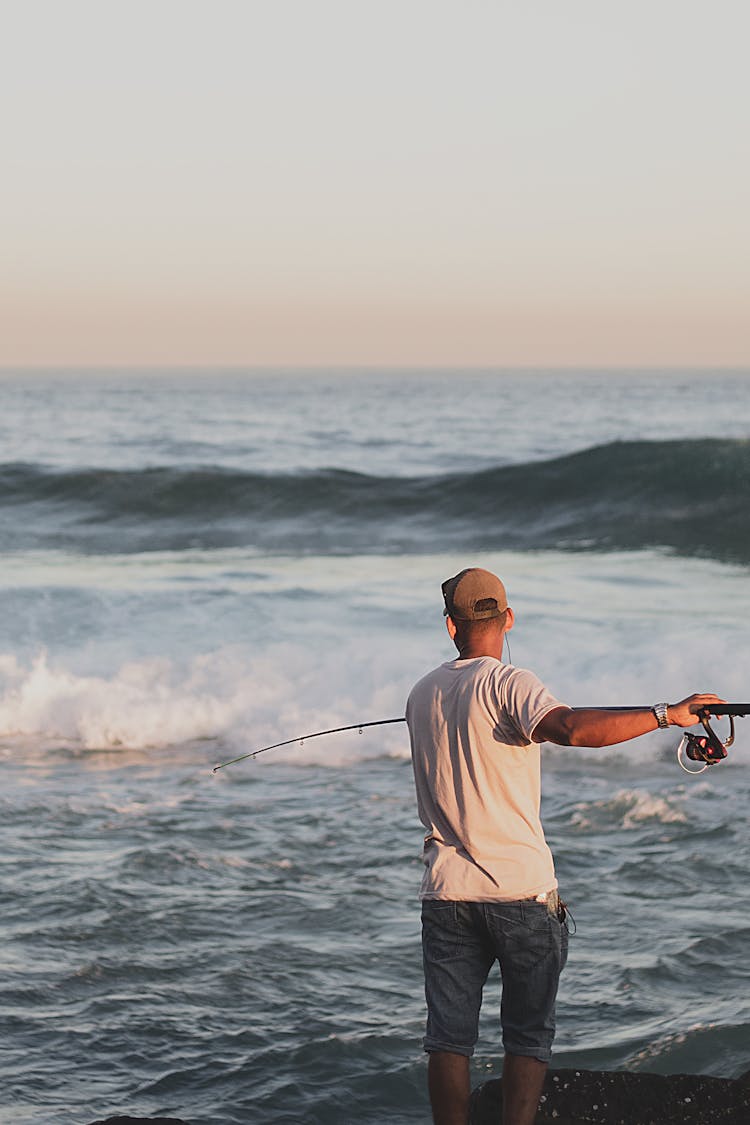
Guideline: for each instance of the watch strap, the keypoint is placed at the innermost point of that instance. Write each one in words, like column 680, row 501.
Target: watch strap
column 660, row 713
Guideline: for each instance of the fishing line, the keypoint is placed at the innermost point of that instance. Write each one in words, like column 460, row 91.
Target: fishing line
column 303, row 738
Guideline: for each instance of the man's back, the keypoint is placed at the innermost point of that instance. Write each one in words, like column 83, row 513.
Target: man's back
column 477, row 775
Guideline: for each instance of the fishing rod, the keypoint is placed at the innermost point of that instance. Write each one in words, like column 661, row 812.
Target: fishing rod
column 707, row 748
column 304, row 737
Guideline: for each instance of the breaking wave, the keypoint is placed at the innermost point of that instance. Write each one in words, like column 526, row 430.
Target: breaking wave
column 628, row 808
column 219, row 697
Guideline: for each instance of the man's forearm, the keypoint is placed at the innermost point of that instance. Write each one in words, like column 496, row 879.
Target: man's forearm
column 594, row 726
column 590, row 726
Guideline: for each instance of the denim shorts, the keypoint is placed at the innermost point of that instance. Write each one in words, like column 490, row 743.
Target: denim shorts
column 460, row 943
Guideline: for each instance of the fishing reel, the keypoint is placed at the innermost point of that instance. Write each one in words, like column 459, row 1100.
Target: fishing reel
column 707, row 748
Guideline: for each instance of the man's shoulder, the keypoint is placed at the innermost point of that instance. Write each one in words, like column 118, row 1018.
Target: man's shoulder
column 428, row 683
column 479, row 667
column 429, row 677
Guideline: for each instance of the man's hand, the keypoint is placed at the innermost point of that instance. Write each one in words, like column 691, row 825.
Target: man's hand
column 685, row 713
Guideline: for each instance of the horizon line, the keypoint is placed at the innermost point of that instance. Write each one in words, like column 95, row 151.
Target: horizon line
column 69, row 367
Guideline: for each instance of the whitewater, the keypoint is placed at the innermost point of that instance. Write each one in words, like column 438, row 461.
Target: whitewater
column 196, row 564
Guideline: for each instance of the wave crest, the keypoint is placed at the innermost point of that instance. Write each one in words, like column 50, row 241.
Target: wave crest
column 689, row 496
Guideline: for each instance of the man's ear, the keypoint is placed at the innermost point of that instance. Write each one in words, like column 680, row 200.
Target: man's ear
column 451, row 627
column 510, row 619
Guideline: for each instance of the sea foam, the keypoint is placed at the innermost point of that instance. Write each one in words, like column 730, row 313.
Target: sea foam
column 223, row 696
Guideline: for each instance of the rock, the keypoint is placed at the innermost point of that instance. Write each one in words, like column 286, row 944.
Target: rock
column 139, row 1120
column 591, row 1097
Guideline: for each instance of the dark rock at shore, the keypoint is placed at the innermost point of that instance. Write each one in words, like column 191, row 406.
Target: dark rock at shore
column 600, row 1097
column 140, row 1120
column 595, row 1097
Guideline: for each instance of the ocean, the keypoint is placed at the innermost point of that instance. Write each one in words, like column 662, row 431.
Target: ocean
column 197, row 564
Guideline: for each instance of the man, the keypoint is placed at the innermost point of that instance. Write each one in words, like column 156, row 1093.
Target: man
column 489, row 890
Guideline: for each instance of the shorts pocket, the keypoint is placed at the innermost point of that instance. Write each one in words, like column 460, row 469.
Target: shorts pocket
column 441, row 930
column 535, row 938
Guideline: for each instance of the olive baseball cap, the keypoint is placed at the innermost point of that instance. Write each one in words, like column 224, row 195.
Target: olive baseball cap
column 474, row 595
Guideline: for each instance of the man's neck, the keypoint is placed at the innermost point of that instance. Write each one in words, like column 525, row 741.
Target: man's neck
column 471, row 652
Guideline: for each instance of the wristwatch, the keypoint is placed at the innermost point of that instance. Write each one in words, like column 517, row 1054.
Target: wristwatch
column 660, row 712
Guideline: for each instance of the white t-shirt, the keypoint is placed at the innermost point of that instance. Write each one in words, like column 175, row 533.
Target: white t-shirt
column 478, row 778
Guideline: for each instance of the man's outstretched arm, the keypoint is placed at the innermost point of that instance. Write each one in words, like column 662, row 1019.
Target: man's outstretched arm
column 590, row 726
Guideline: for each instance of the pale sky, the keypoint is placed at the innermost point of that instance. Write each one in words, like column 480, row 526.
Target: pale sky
column 305, row 182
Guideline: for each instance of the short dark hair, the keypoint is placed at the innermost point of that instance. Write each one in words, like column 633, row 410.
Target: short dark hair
column 466, row 629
